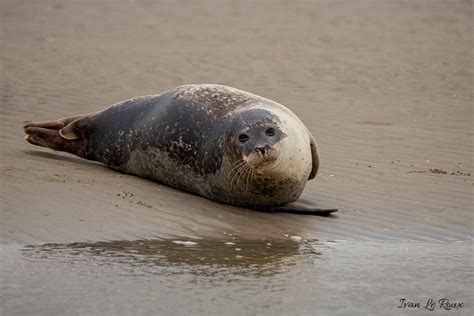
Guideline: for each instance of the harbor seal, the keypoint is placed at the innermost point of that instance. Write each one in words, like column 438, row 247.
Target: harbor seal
column 215, row 141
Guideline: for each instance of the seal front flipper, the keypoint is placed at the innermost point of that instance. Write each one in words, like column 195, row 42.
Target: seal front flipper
column 301, row 206
column 65, row 134
column 314, row 157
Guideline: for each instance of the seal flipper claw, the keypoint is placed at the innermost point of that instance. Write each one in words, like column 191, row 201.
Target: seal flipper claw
column 301, row 206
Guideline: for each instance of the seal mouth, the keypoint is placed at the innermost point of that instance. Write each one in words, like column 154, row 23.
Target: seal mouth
column 262, row 156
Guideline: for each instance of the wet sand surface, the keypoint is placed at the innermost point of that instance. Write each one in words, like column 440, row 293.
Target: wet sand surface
column 384, row 86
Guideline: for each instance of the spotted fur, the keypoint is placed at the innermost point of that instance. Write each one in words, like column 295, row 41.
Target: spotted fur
column 187, row 138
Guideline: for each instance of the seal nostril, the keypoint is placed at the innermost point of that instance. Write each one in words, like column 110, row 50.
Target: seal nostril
column 263, row 149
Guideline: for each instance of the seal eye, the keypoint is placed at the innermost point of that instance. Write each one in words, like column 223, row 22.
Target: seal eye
column 270, row 131
column 243, row 138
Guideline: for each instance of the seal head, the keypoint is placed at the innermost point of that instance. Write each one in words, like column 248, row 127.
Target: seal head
column 254, row 136
column 257, row 157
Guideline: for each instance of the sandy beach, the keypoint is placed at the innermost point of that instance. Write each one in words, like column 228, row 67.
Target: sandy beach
column 384, row 86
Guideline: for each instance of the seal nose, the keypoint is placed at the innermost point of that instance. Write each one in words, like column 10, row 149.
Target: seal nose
column 263, row 149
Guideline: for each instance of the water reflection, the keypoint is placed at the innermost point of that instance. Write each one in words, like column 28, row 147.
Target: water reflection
column 262, row 257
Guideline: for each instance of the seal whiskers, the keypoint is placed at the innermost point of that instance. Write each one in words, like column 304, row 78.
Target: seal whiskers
column 239, row 164
column 238, row 173
column 249, row 175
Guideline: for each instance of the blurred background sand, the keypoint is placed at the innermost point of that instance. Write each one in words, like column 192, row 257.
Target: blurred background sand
column 384, row 86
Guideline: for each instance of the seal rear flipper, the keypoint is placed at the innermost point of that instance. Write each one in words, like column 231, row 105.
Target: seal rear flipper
column 63, row 135
column 300, row 206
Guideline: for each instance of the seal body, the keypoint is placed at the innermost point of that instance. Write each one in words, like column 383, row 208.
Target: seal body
column 219, row 142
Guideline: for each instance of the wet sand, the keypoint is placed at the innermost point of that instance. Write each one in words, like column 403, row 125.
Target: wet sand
column 384, row 86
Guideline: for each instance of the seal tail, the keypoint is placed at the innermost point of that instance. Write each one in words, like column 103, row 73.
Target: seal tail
column 63, row 135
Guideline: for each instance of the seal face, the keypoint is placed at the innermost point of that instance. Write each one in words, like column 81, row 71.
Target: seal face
column 219, row 142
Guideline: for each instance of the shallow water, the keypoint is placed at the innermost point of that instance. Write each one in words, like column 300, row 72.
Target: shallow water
column 235, row 277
